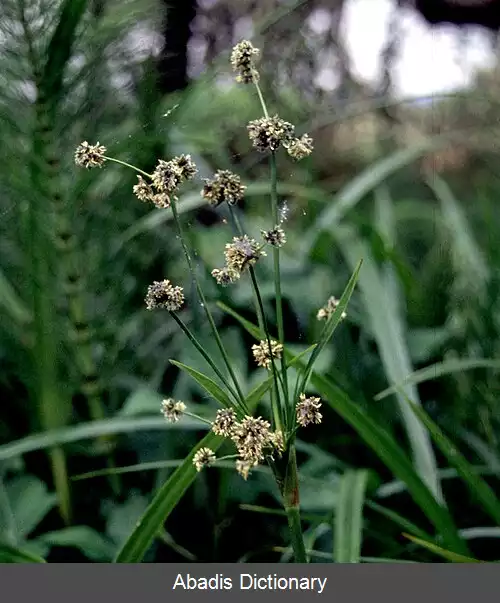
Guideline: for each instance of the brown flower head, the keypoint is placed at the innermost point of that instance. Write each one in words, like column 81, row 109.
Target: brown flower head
column 251, row 437
column 307, row 410
column 242, row 252
column 267, row 133
column 262, row 354
column 326, row 311
column 145, row 192
column 186, row 167
column 298, row 148
column 225, row 419
column 225, row 276
column 224, row 186
column 204, row 457
column 243, row 61
column 167, row 176
column 90, row 155
column 162, row 294
column 275, row 237
column 172, row 410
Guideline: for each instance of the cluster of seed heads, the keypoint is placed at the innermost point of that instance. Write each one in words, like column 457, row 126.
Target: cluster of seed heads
column 251, row 436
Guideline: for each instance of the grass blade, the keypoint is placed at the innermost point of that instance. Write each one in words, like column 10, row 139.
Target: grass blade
column 439, row 369
column 94, row 429
column 331, row 325
column 394, row 458
column 10, row 554
column 206, row 383
column 478, row 487
column 399, row 520
column 348, row 522
column 164, row 502
column 382, row 307
column 448, row 555
column 468, row 257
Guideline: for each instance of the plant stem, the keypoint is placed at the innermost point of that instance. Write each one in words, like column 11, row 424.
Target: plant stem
column 200, row 349
column 133, row 167
column 276, row 258
column 291, row 506
column 205, row 305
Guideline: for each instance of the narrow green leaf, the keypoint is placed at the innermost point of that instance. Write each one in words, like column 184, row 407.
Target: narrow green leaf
column 393, row 457
column 348, row 522
column 478, row 487
column 164, row 501
column 399, row 520
column 10, row 554
column 331, row 325
column 95, row 429
column 384, row 560
column 438, row 370
column 384, row 311
column 251, row 328
column 468, row 256
column 448, row 555
column 206, row 383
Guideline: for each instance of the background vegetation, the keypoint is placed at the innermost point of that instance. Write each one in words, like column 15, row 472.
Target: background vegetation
column 411, row 189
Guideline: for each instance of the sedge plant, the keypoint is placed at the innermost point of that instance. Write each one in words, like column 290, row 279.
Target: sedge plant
column 255, row 439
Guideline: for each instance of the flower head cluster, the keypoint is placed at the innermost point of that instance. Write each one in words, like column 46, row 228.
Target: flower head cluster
column 267, row 133
column 251, row 437
column 242, row 252
column 239, row 254
column 90, row 155
column 167, row 176
column 243, row 61
column 225, row 276
column 263, row 354
column 307, row 410
column 224, row 186
column 162, row 294
column 172, row 410
column 224, row 422
column 326, row 311
column 275, row 237
column 298, row 148
column 146, row 193
column 204, row 457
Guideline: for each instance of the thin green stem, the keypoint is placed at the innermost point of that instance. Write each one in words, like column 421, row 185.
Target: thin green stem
column 291, row 506
column 205, row 305
column 261, row 99
column 259, row 307
column 277, row 275
column 129, row 165
column 276, row 256
column 200, row 349
column 191, row 414
column 277, row 408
